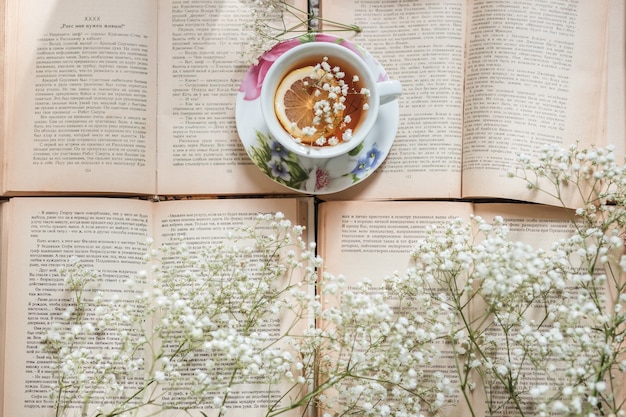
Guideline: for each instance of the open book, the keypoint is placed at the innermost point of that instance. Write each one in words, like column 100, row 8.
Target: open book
column 97, row 93
column 359, row 240
column 40, row 235
column 483, row 81
column 373, row 240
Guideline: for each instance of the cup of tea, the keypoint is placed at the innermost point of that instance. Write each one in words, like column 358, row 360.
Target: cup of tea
column 320, row 99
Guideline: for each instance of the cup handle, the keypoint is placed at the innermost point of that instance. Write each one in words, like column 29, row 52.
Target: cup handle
column 389, row 90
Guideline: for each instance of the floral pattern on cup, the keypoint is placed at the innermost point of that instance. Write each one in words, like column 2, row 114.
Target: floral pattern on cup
column 288, row 169
column 253, row 80
column 277, row 163
column 367, row 162
column 299, row 173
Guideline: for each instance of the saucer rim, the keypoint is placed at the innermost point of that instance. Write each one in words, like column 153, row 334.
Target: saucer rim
column 385, row 128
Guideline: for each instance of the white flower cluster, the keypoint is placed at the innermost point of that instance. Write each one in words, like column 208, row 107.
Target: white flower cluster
column 537, row 332
column 207, row 323
column 80, row 363
column 537, row 317
column 267, row 26
column 331, row 116
column 545, row 331
column 275, row 20
column 379, row 351
column 592, row 173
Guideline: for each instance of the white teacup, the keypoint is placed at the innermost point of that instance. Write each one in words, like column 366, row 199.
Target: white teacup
column 302, row 55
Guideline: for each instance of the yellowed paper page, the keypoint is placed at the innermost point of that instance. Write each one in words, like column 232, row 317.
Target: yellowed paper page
column 80, row 97
column 373, row 240
column 540, row 227
column 4, row 223
column 199, row 223
column 420, row 44
column 202, row 63
column 534, row 76
column 107, row 235
column 616, row 123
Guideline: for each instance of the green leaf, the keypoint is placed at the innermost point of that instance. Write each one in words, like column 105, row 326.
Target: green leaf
column 356, row 150
column 307, row 37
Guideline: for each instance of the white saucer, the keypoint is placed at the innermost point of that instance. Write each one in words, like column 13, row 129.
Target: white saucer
column 299, row 173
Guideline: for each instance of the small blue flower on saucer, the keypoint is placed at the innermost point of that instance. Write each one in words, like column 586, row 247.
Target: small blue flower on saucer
column 373, row 155
column 366, row 162
column 278, row 150
column 279, row 169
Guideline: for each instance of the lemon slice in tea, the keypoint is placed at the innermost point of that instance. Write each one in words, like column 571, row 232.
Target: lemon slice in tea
column 295, row 101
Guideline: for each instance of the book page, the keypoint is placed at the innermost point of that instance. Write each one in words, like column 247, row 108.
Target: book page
column 4, row 222
column 201, row 66
column 616, row 116
column 365, row 239
column 369, row 239
column 540, row 227
column 107, row 235
column 534, row 76
column 373, row 240
column 3, row 104
column 200, row 223
column 420, row 44
column 80, row 97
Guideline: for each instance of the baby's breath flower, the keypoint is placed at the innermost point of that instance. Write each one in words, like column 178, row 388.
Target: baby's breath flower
column 549, row 333
column 331, row 116
column 275, row 20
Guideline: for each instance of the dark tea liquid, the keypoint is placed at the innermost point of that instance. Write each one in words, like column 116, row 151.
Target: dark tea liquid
column 305, row 96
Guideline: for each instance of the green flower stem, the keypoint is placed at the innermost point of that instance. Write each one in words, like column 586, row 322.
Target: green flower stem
column 296, row 12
